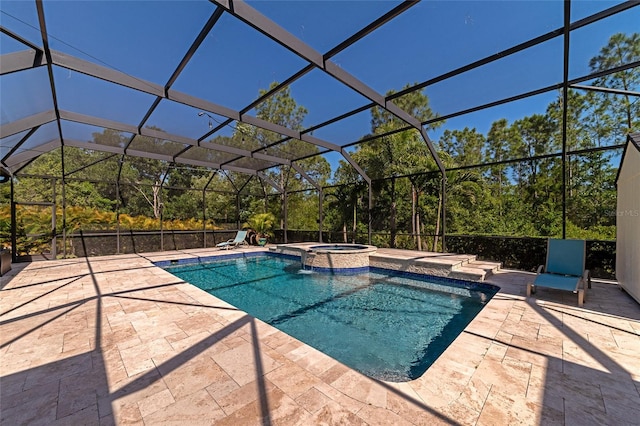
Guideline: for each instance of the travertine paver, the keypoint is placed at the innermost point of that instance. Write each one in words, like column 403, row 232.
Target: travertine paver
column 116, row 340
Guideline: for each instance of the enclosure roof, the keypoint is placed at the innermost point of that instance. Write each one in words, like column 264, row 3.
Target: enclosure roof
column 181, row 82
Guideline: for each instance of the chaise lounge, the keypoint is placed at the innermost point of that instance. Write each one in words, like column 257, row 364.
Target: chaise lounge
column 564, row 268
column 238, row 240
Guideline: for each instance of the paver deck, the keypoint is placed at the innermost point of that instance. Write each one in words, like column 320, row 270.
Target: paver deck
column 116, row 340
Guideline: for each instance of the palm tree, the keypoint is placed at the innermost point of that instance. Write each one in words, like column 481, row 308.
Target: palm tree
column 262, row 223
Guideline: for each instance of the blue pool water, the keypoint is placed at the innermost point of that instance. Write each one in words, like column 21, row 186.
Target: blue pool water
column 387, row 326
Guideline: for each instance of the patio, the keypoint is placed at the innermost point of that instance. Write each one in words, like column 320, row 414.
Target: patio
column 116, row 340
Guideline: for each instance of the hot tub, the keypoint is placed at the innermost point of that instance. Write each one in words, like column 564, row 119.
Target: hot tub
column 338, row 247
column 332, row 258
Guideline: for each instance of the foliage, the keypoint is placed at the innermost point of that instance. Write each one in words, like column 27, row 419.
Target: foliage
column 262, row 223
column 614, row 115
column 395, row 155
column 34, row 231
column 282, row 109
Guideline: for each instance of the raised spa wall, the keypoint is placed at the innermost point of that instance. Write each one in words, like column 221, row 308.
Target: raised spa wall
column 321, row 257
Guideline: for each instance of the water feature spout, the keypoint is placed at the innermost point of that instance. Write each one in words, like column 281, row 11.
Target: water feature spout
column 306, row 258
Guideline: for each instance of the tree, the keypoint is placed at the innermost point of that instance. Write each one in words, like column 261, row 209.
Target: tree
column 146, row 175
column 183, row 198
column 395, row 155
column 616, row 115
column 282, row 109
column 464, row 146
column 344, row 200
column 262, row 223
column 497, row 149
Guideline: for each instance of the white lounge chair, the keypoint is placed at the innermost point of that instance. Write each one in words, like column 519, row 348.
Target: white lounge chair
column 564, row 268
column 238, row 240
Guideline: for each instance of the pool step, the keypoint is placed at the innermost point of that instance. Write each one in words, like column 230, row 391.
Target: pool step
column 465, row 267
column 476, row 271
column 460, row 266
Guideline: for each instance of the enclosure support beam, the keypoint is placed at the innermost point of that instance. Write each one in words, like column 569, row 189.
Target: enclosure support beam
column 565, row 102
column 244, row 185
column 118, row 214
column 605, row 90
column 355, row 165
column 20, row 61
column 64, row 207
column 284, row 208
column 93, row 163
column 204, row 219
column 120, row 200
column 14, row 239
column 161, row 205
column 238, row 210
column 320, row 196
column 270, row 181
column 204, row 210
column 17, row 146
column 20, row 39
column 27, row 123
column 30, row 154
column 237, row 194
column 367, row 179
column 265, row 201
column 443, row 172
column 369, row 213
column 49, row 64
column 320, row 213
column 443, row 189
column 54, row 237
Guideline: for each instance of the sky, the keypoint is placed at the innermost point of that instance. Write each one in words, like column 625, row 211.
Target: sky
column 147, row 40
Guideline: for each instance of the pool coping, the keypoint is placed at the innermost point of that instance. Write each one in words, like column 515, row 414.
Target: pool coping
column 450, row 281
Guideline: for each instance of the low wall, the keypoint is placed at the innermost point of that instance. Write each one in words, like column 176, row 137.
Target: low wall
column 521, row 253
column 527, row 254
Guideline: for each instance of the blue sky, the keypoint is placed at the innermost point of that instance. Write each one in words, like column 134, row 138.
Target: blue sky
column 148, row 39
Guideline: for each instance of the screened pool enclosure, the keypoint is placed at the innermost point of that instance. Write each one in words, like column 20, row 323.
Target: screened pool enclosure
column 433, row 125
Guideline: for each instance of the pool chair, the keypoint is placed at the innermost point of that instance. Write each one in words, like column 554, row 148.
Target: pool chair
column 238, row 240
column 564, row 269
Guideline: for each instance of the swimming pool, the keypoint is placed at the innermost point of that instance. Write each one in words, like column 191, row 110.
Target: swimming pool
column 386, row 325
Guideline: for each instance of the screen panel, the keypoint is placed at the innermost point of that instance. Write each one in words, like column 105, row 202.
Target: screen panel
column 234, row 63
column 143, row 39
column 81, row 93
column 436, row 37
column 24, row 94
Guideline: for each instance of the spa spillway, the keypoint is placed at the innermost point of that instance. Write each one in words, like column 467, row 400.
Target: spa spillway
column 332, row 258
